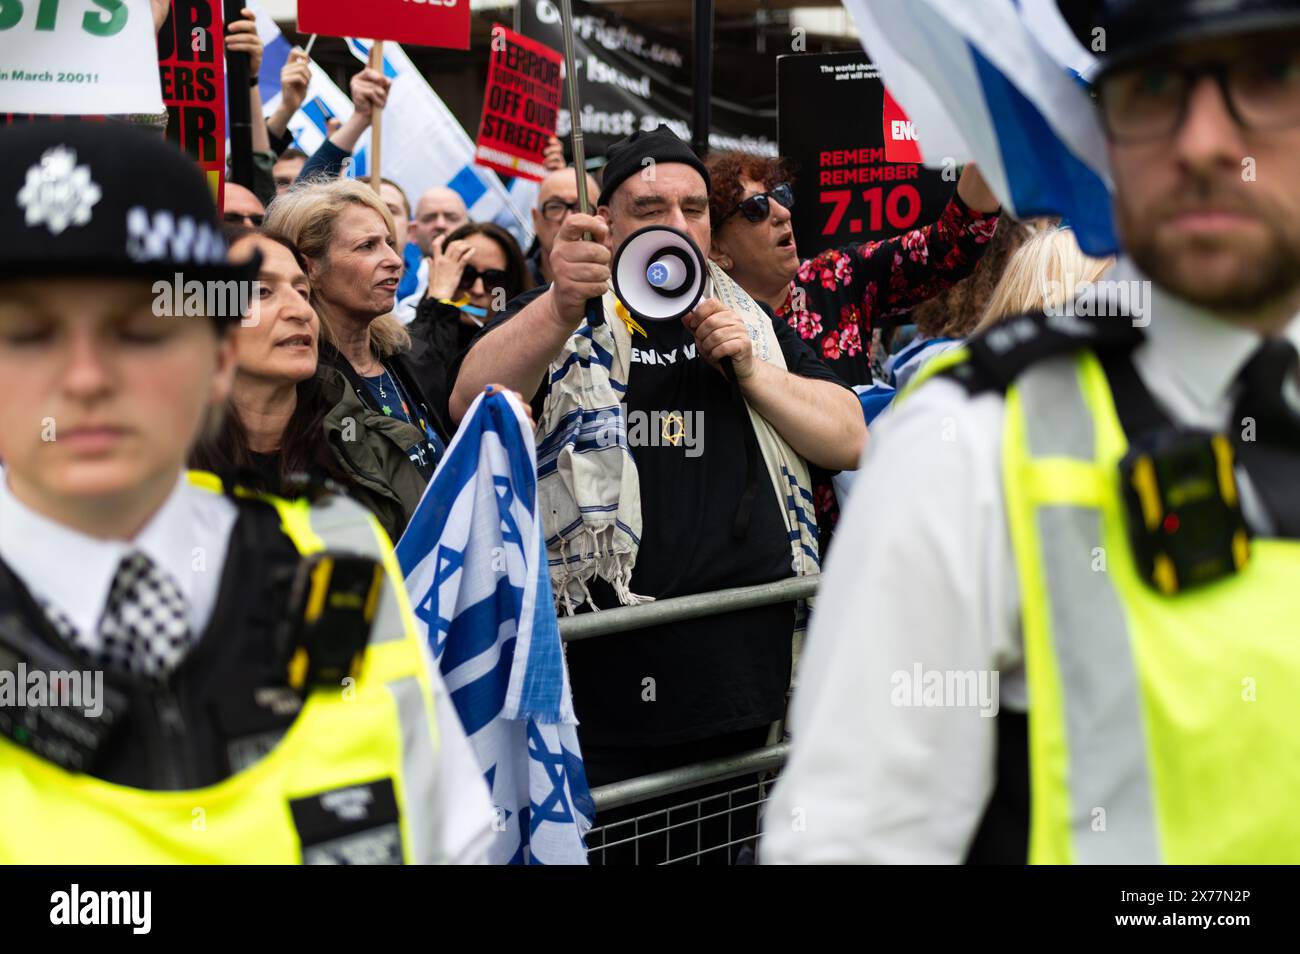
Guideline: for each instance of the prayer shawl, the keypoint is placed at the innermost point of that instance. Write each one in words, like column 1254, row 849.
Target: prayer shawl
column 588, row 490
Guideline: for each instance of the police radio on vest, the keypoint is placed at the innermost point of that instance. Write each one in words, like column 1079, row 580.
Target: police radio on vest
column 659, row 273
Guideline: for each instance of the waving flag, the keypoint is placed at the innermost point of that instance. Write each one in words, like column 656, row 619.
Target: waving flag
column 474, row 559
column 324, row 100
column 983, row 80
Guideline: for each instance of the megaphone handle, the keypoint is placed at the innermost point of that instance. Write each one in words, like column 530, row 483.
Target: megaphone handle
column 595, row 312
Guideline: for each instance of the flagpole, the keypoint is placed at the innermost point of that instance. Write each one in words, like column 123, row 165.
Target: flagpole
column 510, row 204
column 702, row 69
column 376, row 117
column 575, row 108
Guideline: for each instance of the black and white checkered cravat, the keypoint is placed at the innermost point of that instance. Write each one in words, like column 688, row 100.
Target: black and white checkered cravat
column 146, row 625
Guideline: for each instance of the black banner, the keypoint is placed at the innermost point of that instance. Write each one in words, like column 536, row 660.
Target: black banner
column 631, row 77
column 830, row 115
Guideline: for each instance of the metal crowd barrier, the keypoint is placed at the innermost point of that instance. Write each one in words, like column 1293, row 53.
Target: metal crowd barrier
column 716, row 822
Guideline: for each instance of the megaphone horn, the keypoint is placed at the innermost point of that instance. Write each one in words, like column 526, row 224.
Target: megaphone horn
column 659, row 273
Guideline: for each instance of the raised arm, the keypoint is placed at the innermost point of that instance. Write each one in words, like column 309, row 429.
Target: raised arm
column 900, row 273
column 295, row 77
column 521, row 349
column 821, row 420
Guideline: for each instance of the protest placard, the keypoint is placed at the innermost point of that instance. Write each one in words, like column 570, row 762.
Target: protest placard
column 831, row 125
column 632, row 76
column 521, row 105
column 900, row 135
column 192, row 67
column 77, row 57
column 422, row 22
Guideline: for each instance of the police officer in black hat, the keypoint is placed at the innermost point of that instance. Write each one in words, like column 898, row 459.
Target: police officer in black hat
column 1091, row 577
column 186, row 673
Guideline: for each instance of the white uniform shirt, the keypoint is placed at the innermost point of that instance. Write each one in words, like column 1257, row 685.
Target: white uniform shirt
column 922, row 572
column 189, row 537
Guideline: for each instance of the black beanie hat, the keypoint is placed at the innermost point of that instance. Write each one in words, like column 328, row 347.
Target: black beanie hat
column 625, row 158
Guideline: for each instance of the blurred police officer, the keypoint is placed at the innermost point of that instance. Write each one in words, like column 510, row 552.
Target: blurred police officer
column 264, row 695
column 1101, row 513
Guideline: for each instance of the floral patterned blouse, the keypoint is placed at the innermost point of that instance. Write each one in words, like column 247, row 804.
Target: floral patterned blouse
column 837, row 298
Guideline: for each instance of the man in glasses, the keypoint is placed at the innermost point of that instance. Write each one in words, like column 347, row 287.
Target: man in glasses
column 557, row 196
column 1093, row 522
column 240, row 207
column 836, row 299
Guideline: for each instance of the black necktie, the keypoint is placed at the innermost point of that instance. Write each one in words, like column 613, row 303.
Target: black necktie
column 1267, row 432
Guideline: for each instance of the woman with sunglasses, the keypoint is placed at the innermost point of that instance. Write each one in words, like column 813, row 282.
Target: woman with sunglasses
column 846, row 292
column 477, row 270
column 836, row 299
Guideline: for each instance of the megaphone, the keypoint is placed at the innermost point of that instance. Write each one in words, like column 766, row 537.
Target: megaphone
column 659, row 273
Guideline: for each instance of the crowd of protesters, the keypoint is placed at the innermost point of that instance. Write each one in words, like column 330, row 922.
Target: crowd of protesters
column 380, row 320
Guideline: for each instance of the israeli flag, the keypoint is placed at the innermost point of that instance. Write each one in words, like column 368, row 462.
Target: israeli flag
column 325, row 101
column 998, row 82
column 474, row 560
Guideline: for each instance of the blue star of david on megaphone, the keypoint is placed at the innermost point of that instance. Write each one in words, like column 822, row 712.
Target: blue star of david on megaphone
column 659, row 273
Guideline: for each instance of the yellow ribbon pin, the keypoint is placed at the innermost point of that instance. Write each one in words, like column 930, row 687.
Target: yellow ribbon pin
column 633, row 326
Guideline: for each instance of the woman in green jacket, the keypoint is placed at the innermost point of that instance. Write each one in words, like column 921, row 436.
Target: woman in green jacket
column 293, row 421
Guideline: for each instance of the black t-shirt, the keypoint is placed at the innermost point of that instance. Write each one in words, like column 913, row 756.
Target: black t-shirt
column 719, row 674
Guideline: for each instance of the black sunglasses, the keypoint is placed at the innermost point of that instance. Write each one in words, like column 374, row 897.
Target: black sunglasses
column 238, row 218
column 756, row 208
column 492, row 277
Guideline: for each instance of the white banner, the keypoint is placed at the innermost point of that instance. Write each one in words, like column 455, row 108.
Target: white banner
column 78, row 57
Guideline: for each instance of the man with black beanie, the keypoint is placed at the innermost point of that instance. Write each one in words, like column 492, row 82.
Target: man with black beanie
column 677, row 693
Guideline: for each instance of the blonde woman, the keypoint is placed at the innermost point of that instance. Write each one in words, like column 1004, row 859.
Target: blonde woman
column 1043, row 274
column 347, row 236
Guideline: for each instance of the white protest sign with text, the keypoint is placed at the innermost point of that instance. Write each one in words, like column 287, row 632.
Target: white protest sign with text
column 78, row 57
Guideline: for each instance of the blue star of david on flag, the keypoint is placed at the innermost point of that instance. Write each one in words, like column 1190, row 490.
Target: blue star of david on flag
column 474, row 559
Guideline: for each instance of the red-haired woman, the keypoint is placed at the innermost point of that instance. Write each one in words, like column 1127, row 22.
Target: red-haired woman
column 845, row 292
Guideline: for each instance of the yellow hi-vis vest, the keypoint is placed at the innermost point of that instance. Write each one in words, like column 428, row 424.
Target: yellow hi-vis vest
column 344, row 746
column 1162, row 728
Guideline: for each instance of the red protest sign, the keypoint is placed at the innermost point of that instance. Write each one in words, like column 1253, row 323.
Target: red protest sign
column 421, row 22
column 900, row 135
column 192, row 67
column 520, row 106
